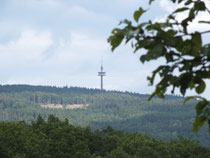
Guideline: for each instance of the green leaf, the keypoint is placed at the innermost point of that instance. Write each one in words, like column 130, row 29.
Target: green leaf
column 171, row 33
column 180, row 10
column 201, row 87
column 184, row 80
column 197, row 43
column 151, row 96
column 204, row 22
column 188, row 2
column 150, row 1
column 188, row 98
column 146, row 43
column 116, row 38
column 199, row 5
column 144, row 58
column 200, row 105
column 156, row 51
column 179, row 1
column 138, row 14
column 160, row 95
column 153, row 53
column 199, row 121
column 184, row 47
column 191, row 84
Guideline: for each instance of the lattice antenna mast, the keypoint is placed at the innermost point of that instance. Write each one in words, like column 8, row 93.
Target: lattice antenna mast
column 102, row 73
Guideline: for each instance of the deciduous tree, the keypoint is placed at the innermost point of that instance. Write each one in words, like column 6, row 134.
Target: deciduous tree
column 187, row 57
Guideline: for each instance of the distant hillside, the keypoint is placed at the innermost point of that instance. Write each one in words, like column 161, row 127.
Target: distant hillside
column 132, row 112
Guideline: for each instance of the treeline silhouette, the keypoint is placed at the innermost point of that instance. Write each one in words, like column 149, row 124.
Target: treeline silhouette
column 59, row 139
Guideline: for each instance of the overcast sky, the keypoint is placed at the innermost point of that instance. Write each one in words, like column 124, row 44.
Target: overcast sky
column 61, row 42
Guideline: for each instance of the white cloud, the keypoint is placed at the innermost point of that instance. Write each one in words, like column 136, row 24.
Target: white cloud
column 167, row 5
column 30, row 45
column 135, row 3
column 54, row 15
column 80, row 48
column 73, row 60
column 79, row 13
column 49, row 4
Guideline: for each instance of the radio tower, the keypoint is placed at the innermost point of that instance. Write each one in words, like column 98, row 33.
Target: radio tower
column 102, row 74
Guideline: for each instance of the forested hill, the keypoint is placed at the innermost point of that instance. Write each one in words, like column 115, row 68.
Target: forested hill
column 66, row 89
column 50, row 89
column 131, row 112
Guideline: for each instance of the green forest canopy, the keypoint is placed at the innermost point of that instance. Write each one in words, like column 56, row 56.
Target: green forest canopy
column 58, row 139
column 162, row 119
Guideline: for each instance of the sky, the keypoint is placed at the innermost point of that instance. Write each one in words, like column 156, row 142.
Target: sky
column 61, row 42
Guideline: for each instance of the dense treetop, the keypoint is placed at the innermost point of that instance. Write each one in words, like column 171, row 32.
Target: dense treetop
column 55, row 138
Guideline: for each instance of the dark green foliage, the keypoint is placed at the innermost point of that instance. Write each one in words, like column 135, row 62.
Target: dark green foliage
column 55, row 138
column 162, row 119
column 187, row 58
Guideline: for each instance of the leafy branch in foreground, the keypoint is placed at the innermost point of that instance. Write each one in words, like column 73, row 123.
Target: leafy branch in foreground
column 187, row 59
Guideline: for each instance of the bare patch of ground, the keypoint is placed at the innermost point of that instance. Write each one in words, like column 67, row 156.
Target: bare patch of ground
column 60, row 106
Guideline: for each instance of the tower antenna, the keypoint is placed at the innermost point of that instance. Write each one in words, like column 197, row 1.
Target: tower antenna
column 102, row 73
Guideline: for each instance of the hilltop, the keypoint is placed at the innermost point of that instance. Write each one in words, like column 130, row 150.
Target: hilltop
column 162, row 119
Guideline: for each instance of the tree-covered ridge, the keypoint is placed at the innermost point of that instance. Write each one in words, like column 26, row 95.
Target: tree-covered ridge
column 162, row 119
column 55, row 138
column 66, row 89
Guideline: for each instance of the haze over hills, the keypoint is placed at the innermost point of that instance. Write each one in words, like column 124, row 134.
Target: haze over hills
column 162, row 119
